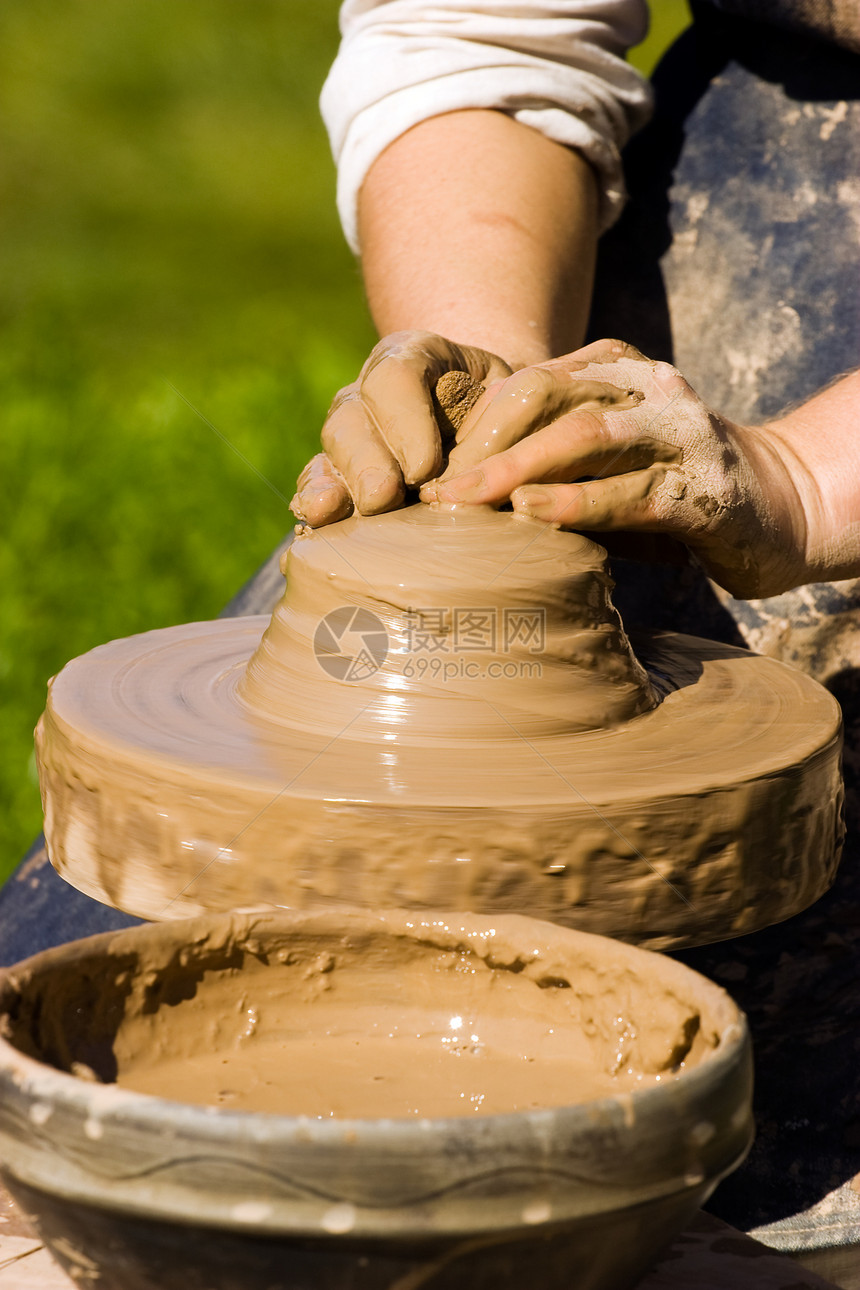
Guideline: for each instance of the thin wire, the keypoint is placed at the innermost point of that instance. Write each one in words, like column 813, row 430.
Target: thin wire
column 230, row 445
column 16, row 1258
column 259, row 473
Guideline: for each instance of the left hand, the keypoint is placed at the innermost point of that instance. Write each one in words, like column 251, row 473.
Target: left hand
column 606, row 439
column 381, row 435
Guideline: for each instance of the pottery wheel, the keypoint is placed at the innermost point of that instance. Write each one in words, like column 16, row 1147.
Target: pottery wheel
column 445, row 712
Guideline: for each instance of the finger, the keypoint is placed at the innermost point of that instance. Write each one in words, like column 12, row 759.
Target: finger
column 609, row 351
column 582, row 443
column 359, row 454
column 397, row 385
column 321, row 497
column 437, row 355
column 397, row 394
column 529, row 401
column 646, row 378
column 519, row 406
column 620, row 502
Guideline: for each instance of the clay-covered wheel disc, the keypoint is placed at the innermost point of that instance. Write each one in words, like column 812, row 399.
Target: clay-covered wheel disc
column 717, row 813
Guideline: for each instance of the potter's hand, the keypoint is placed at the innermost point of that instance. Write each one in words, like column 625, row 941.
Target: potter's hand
column 617, row 441
column 381, row 434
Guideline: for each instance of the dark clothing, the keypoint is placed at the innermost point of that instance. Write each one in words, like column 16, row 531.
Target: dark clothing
column 738, row 260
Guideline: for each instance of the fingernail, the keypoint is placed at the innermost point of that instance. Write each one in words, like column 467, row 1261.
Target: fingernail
column 323, row 507
column 462, row 488
column 429, row 492
column 529, row 499
column 311, row 499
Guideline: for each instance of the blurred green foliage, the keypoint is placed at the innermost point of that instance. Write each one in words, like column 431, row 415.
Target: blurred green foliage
column 168, row 220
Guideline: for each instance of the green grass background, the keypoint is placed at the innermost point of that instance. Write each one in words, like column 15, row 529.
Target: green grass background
column 168, row 220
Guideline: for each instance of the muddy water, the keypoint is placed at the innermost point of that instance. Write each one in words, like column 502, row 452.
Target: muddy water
column 397, row 1026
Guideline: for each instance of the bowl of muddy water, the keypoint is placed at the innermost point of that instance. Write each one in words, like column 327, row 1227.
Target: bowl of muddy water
column 284, row 1100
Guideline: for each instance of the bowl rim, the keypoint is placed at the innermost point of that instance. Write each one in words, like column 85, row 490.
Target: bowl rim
column 29, row 1083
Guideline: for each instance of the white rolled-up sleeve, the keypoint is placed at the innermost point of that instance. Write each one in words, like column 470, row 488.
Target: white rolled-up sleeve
column 557, row 66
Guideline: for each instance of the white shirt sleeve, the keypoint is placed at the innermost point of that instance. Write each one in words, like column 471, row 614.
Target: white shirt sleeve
column 557, row 66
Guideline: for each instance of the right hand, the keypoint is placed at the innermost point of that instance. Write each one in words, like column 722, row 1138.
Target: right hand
column 381, row 435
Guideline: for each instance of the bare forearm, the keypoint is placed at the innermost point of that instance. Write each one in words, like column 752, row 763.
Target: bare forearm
column 476, row 228
column 820, row 444
column 480, row 229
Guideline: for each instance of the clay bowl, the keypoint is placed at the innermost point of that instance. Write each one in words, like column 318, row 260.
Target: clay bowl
column 133, row 1191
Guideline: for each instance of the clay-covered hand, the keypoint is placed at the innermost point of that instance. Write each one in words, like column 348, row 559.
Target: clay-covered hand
column 381, row 435
column 606, row 439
